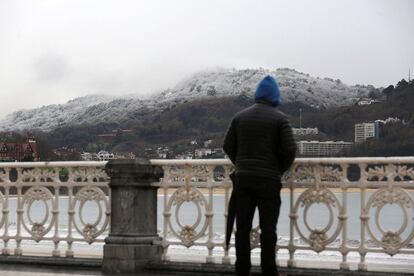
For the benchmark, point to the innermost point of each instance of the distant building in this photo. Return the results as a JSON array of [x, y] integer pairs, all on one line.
[[199, 153], [364, 131], [207, 143], [179, 156], [308, 148], [105, 156], [305, 131], [188, 155], [325, 148], [124, 155], [184, 156], [19, 151], [366, 101], [163, 152], [65, 153], [87, 156]]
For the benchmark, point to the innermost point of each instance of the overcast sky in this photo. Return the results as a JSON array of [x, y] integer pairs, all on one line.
[[54, 50]]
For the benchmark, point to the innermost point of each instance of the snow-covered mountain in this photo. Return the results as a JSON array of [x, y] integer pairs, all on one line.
[[295, 86], [93, 109]]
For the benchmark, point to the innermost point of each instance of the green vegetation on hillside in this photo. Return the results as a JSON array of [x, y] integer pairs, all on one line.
[[209, 118]]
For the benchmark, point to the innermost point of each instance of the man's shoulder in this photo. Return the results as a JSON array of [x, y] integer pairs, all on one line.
[[244, 111], [280, 114], [256, 109]]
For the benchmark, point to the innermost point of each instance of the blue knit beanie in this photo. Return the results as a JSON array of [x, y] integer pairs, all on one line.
[[268, 90]]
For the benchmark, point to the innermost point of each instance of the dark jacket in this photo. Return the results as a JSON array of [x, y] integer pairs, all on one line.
[[260, 141]]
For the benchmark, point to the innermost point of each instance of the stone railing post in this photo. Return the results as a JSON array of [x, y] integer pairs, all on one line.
[[133, 240]]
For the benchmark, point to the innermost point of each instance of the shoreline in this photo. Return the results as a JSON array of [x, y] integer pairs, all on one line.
[[284, 191], [310, 260]]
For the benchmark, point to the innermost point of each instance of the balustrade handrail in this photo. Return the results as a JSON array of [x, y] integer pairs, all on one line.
[[313, 160], [218, 161], [68, 164]]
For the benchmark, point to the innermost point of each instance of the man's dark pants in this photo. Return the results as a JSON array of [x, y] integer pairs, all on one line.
[[264, 193]]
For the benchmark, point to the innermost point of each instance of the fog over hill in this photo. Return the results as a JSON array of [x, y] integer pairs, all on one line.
[[94, 109]]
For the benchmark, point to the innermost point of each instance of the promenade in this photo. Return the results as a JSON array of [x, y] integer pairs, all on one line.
[[176, 269]]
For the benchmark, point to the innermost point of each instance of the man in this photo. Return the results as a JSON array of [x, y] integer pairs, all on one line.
[[260, 144]]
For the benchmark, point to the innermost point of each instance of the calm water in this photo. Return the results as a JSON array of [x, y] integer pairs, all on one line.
[[390, 219]]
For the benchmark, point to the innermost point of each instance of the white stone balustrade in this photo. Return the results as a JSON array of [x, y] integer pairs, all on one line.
[[380, 182], [328, 182], [49, 202]]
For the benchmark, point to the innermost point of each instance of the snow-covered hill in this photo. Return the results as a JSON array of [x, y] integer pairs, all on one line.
[[295, 86]]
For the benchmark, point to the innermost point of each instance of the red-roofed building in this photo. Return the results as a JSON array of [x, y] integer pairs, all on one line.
[[19, 151]]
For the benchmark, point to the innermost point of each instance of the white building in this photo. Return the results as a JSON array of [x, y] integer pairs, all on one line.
[[325, 148], [199, 153], [124, 155], [332, 148], [364, 131], [308, 148], [105, 156], [366, 101], [87, 156], [305, 131], [162, 152]]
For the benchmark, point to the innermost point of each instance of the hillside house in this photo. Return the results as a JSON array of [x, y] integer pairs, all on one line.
[[19, 151]]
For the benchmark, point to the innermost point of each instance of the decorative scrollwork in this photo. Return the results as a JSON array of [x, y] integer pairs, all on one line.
[[30, 175], [90, 194], [377, 173], [90, 231], [391, 241], [98, 175], [88, 174], [188, 234], [3, 175], [48, 174], [314, 195], [79, 174], [38, 228], [405, 171], [317, 238], [389, 196], [255, 237], [304, 173], [331, 173], [176, 173]]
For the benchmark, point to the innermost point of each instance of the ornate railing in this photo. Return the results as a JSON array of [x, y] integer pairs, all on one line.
[[45, 203], [52, 202], [377, 183]]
